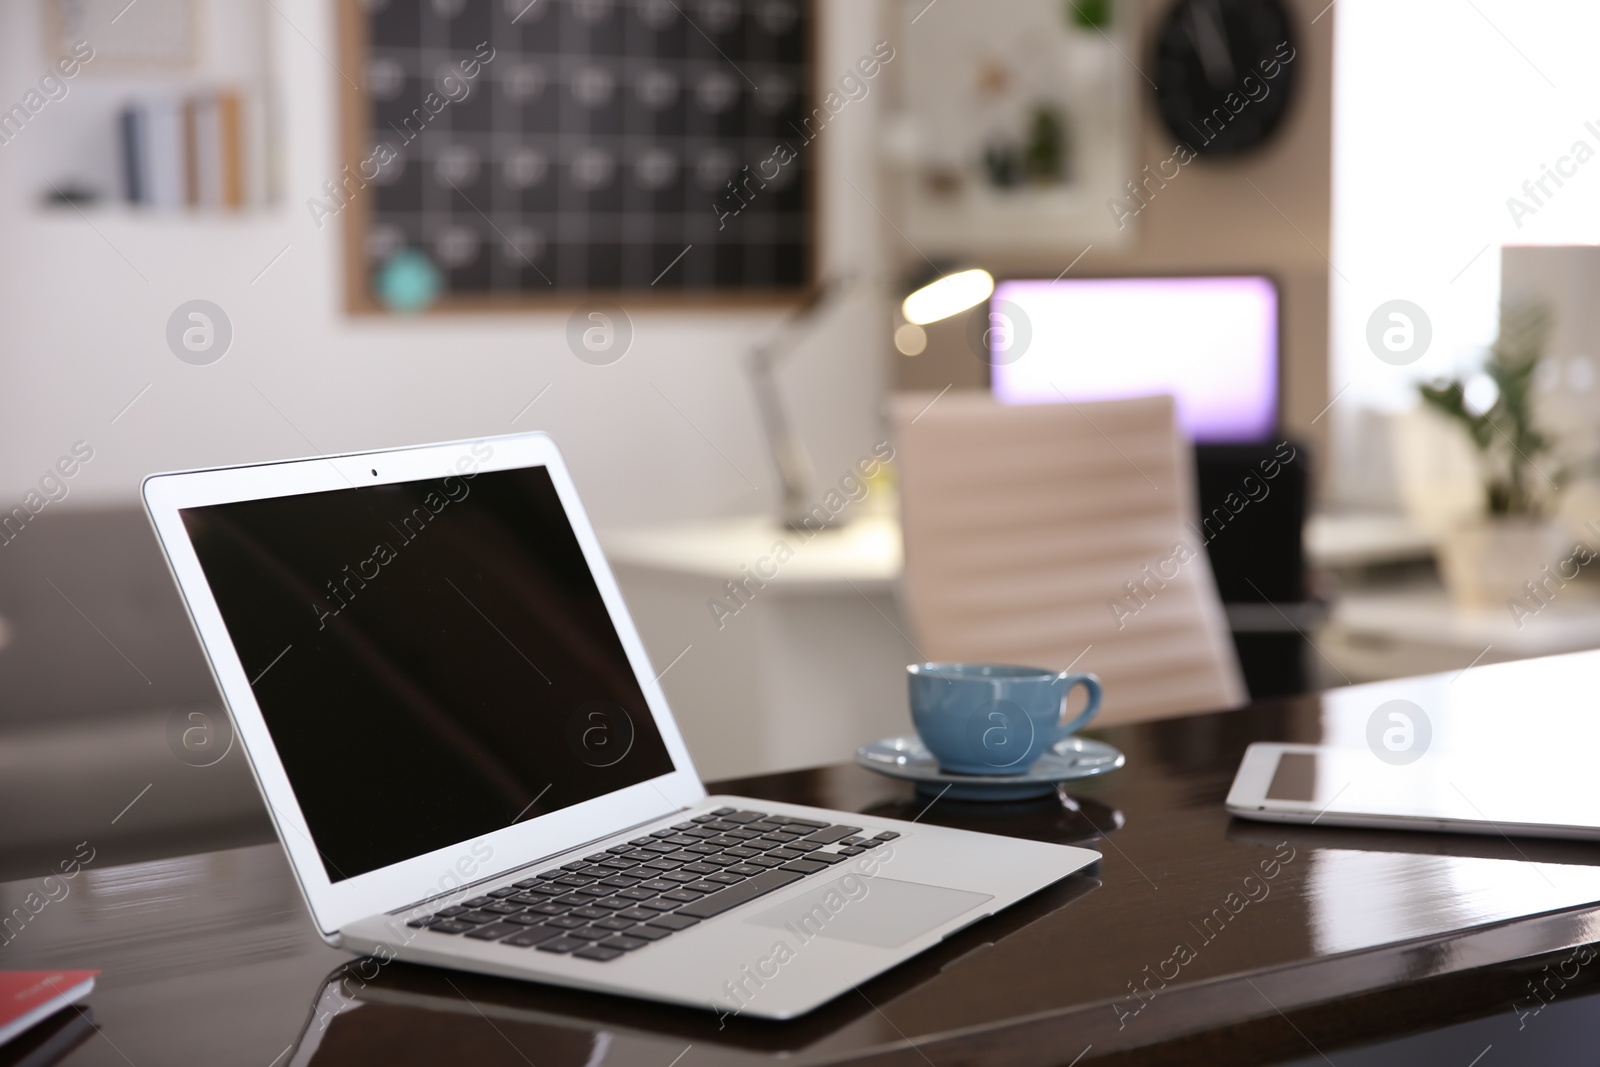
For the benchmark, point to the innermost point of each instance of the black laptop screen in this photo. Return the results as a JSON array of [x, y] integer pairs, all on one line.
[[432, 658]]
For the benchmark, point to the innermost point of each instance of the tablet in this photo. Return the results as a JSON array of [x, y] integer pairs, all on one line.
[[1508, 792]]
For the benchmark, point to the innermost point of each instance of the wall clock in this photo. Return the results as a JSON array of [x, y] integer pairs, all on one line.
[[1225, 73]]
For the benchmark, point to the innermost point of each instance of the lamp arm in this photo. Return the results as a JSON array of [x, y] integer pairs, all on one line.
[[795, 472]]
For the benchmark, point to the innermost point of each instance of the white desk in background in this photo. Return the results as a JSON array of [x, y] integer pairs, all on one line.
[[809, 666]]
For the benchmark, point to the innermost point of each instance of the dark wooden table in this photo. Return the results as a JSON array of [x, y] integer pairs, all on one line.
[[1198, 938]]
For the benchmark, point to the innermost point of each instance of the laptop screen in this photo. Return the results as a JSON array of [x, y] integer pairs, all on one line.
[[432, 659]]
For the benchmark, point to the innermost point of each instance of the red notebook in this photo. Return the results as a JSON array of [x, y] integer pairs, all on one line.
[[29, 997]]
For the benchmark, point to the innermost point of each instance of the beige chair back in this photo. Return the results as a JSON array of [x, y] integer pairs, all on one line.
[[1061, 534]]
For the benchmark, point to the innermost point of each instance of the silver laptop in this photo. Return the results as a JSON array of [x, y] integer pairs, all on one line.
[[470, 761]]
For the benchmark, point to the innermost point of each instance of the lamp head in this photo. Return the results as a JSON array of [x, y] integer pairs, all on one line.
[[946, 296]]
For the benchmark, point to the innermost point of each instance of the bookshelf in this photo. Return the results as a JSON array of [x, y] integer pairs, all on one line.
[[191, 82]]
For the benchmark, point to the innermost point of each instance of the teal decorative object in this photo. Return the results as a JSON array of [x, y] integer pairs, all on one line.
[[408, 281]]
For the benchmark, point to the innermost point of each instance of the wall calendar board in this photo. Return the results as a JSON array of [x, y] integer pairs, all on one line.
[[552, 148]]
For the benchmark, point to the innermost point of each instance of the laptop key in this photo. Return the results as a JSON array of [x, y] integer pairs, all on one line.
[[616, 923], [704, 848], [451, 926], [734, 895], [624, 943], [665, 863], [477, 918], [598, 952], [725, 811], [526, 883], [723, 841], [615, 850], [451, 912], [639, 893], [527, 900], [501, 909], [870, 843], [719, 825], [526, 920], [851, 850], [614, 904], [808, 823], [778, 837], [687, 824], [659, 904], [589, 933], [826, 857], [743, 816], [537, 935], [743, 835], [637, 914], [550, 909], [682, 896], [804, 866], [708, 886], [620, 881], [762, 861], [722, 861], [677, 876], [593, 891], [680, 839], [493, 932], [657, 885], [566, 922], [651, 932], [573, 900], [426, 920], [645, 840], [503, 892], [638, 855], [668, 922], [703, 819], [574, 879], [699, 834], [829, 835], [563, 944], [802, 846], [478, 902], [741, 853], [662, 833], [657, 848], [589, 913], [735, 874], [700, 868]]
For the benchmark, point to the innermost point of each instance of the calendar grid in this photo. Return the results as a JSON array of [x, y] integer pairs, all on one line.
[[595, 146]]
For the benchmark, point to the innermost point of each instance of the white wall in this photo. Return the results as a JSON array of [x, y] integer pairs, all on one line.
[[84, 303]]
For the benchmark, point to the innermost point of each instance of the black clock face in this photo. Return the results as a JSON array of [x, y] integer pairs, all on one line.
[[1225, 73]]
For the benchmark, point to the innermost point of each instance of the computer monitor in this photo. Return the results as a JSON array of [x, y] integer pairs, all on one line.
[[1212, 342]]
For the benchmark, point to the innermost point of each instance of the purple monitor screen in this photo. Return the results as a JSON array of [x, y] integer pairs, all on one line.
[[1210, 342]]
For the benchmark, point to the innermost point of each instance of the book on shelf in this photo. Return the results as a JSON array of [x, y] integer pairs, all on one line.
[[189, 152]]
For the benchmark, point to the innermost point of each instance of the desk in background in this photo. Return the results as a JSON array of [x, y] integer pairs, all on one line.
[[1359, 935], [812, 662]]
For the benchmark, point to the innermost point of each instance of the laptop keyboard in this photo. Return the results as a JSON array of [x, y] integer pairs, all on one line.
[[631, 895]]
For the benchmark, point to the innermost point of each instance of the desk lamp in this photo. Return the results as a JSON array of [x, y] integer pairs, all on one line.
[[946, 295]]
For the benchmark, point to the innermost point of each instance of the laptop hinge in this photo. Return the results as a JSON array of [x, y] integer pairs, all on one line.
[[466, 890]]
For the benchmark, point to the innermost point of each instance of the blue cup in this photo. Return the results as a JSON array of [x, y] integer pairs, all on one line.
[[986, 718]]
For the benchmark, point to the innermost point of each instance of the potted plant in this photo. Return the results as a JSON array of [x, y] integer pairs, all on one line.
[[1487, 561]]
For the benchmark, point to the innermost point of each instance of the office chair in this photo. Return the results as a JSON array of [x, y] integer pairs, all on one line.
[[1053, 535]]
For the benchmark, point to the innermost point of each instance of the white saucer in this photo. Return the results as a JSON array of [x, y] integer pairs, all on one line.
[[907, 758]]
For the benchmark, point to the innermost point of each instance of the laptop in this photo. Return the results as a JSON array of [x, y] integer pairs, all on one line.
[[470, 761]]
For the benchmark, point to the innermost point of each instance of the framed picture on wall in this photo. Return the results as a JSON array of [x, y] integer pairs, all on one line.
[[1019, 119]]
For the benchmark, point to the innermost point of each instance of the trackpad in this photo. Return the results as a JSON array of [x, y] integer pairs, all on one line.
[[870, 911]]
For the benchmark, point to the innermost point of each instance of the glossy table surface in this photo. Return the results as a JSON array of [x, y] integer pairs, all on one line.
[[1198, 938]]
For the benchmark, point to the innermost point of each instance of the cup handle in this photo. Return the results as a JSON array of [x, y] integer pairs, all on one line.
[[1064, 682]]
